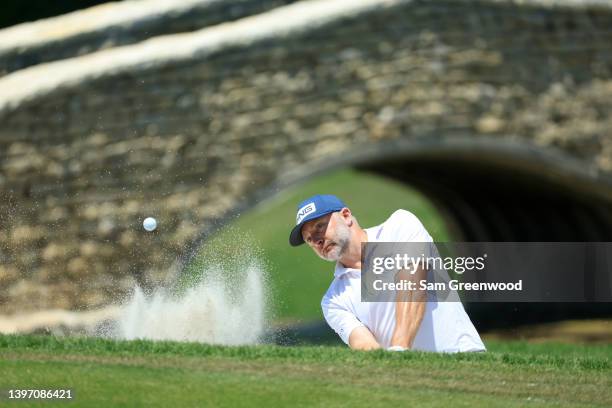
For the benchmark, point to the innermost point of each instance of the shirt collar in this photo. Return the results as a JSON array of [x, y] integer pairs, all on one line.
[[373, 234], [340, 270]]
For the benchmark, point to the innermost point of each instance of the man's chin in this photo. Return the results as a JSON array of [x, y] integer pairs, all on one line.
[[331, 256], [327, 258]]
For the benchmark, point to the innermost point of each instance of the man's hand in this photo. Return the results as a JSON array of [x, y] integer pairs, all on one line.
[[362, 339], [409, 309]]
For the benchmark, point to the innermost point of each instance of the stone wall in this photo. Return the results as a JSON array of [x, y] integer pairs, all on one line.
[[190, 129]]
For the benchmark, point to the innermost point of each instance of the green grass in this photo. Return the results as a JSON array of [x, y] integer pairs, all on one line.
[[144, 373], [296, 276]]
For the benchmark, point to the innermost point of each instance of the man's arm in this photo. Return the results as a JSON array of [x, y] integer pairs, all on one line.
[[362, 339], [409, 309], [347, 325]]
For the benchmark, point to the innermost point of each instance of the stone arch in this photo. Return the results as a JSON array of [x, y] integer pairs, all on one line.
[[540, 176], [190, 127]]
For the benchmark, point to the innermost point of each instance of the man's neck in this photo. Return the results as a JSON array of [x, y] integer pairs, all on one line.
[[352, 257]]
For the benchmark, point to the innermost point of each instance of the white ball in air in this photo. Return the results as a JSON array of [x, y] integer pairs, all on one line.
[[149, 224]]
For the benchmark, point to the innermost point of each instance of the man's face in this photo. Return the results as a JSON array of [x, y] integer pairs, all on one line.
[[328, 236]]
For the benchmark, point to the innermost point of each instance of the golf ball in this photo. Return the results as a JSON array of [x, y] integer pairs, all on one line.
[[149, 224]]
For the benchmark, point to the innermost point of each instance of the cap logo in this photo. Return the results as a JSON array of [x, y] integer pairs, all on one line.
[[304, 211]]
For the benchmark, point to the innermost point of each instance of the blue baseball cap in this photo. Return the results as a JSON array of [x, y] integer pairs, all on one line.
[[311, 208]]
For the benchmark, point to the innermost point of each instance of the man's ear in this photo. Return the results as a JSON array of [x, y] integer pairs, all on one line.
[[346, 214]]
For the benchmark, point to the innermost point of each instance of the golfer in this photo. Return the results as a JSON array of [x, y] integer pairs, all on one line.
[[327, 225]]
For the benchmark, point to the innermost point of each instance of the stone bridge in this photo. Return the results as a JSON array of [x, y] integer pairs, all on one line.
[[499, 110]]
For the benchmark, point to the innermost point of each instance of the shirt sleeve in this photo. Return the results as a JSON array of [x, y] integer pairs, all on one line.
[[408, 228], [341, 320]]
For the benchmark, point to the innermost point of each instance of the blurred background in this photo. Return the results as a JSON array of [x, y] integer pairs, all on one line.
[[490, 120]]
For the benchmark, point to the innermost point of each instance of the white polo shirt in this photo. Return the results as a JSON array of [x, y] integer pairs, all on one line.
[[445, 327]]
